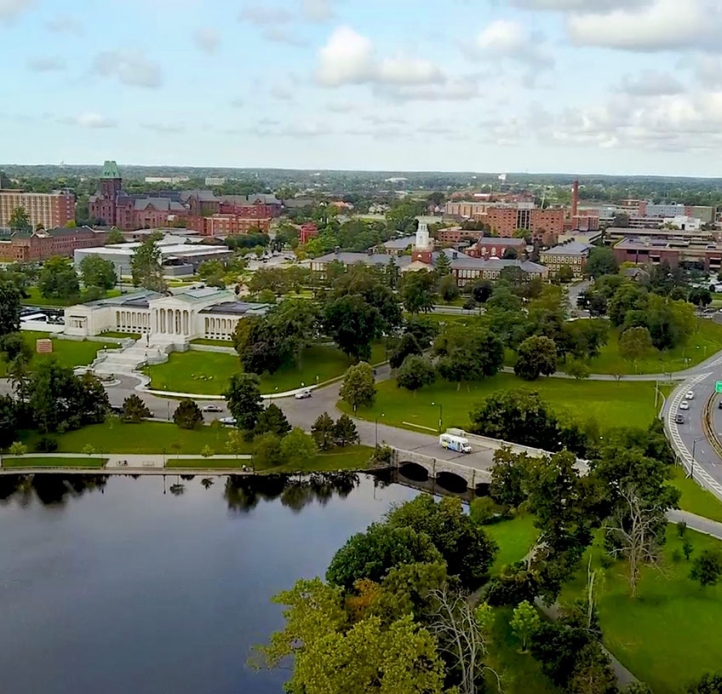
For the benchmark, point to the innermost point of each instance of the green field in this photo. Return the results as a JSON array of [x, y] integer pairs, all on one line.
[[29, 461], [610, 403], [36, 299], [670, 634], [207, 373], [515, 538], [205, 463], [703, 344], [213, 343], [67, 352], [695, 499], [147, 437], [122, 336]]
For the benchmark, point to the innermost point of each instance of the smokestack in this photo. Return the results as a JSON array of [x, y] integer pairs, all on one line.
[[575, 200]]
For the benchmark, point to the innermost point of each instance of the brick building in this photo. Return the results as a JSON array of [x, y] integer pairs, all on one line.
[[496, 247], [652, 251], [572, 254], [227, 225], [47, 243], [47, 209]]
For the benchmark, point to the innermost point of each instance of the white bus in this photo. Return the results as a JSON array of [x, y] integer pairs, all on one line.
[[455, 443]]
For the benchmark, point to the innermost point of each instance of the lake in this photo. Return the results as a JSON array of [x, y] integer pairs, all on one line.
[[139, 585]]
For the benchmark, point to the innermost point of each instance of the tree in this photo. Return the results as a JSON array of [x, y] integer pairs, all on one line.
[[707, 568], [331, 655], [14, 347], [510, 254], [9, 309], [408, 345], [415, 373], [701, 297], [601, 262], [468, 354], [482, 291], [97, 272], [58, 279], [372, 554], [353, 324], [146, 266], [525, 623], [578, 369], [267, 451], [207, 452], [323, 432], [298, 448], [417, 291], [634, 344], [20, 221], [536, 356], [244, 400], [8, 420], [235, 442], [18, 449], [508, 477], [424, 330], [359, 386], [442, 265], [134, 410], [710, 683], [448, 289], [188, 415], [345, 432], [565, 274], [115, 236], [274, 420]]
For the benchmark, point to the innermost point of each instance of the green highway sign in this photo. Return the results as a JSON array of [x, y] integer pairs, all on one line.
[[718, 387]]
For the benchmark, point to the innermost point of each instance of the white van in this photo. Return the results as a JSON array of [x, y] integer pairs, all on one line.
[[455, 443]]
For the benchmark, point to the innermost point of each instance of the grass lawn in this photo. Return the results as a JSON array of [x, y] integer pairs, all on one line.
[[207, 373], [205, 463], [610, 403], [36, 299], [29, 461], [213, 343], [122, 336], [670, 634], [148, 437], [695, 499], [703, 344], [519, 672], [515, 538], [66, 352]]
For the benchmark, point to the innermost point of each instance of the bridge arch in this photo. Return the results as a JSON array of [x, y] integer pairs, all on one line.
[[451, 481], [414, 471]]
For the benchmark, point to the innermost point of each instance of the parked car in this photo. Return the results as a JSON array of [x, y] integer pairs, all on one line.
[[228, 421], [303, 394], [690, 395], [679, 419], [213, 408], [719, 405], [684, 405]]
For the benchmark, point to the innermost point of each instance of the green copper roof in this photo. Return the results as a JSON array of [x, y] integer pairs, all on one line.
[[110, 170]]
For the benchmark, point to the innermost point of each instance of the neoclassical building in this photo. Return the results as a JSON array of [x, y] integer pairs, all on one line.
[[166, 319]]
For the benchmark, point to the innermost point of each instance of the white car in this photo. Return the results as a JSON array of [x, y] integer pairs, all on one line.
[[213, 408], [228, 421], [690, 395], [303, 394], [684, 405]]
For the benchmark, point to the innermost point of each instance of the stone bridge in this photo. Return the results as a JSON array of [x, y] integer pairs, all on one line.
[[437, 466]]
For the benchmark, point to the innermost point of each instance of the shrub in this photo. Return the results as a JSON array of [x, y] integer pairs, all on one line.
[[46, 444]]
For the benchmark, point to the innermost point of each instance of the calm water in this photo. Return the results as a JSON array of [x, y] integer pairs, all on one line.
[[122, 588]]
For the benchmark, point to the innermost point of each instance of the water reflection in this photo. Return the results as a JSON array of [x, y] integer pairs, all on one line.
[[49, 490]]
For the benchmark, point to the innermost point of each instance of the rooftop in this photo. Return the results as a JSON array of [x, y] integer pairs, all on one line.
[[237, 308], [569, 248], [110, 170]]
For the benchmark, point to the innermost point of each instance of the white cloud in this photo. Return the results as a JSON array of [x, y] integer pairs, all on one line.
[[130, 67], [207, 39], [651, 83], [281, 93], [341, 107], [264, 16], [511, 40], [660, 25], [453, 90], [238, 103], [317, 10], [164, 128], [281, 35], [92, 120], [65, 24], [706, 69], [349, 58], [597, 6], [12, 9], [45, 64]]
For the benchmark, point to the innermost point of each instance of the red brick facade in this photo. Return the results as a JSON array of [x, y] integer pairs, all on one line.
[[40, 246], [226, 225], [48, 209]]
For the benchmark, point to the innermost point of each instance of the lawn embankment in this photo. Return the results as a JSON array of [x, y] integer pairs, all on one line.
[[695, 499], [207, 373], [29, 462], [515, 538], [35, 298], [670, 634], [611, 404]]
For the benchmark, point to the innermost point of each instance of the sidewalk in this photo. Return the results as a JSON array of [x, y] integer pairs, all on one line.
[[695, 522]]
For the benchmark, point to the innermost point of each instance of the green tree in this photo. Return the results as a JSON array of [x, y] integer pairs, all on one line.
[[97, 272], [536, 356], [298, 447], [235, 442], [188, 415], [135, 410], [408, 345], [267, 451], [710, 683], [359, 386], [508, 478], [707, 568], [272, 419], [9, 309], [468, 354], [448, 289], [146, 266], [15, 348], [418, 291], [20, 221], [578, 369], [207, 452], [701, 297], [244, 400], [565, 274], [415, 373], [18, 448], [525, 623], [323, 432], [442, 265], [8, 420], [482, 291], [58, 279], [353, 324], [601, 262], [115, 236], [634, 344], [345, 432]]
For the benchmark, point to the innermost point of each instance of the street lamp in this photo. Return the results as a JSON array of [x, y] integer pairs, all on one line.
[[694, 448], [377, 428], [441, 415]]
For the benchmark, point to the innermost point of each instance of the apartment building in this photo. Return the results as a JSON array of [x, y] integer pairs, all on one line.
[[46, 209]]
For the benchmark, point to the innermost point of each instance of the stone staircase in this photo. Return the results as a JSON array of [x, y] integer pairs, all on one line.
[[131, 358]]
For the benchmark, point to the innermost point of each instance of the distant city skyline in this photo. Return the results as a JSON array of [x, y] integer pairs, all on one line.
[[539, 86]]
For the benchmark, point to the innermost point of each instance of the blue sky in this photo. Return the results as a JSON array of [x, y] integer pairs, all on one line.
[[609, 86]]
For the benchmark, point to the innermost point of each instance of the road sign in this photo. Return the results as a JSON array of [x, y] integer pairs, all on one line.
[[718, 387]]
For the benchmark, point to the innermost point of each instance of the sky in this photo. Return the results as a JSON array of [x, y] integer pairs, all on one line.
[[574, 86]]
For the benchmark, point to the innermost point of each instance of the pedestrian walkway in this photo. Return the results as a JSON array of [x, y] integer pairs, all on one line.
[[698, 523]]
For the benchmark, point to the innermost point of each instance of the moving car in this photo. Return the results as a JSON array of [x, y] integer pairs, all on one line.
[[690, 395], [678, 419], [684, 405], [303, 394], [228, 421], [455, 443], [213, 408]]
